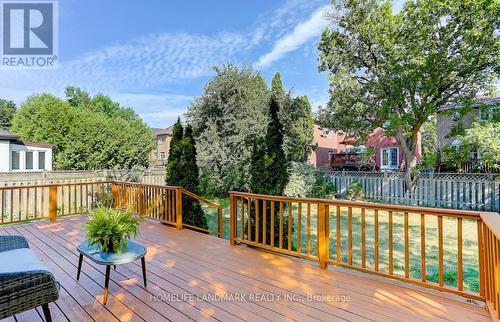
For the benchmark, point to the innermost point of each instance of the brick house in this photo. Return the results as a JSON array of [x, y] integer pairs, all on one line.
[[325, 143], [159, 155]]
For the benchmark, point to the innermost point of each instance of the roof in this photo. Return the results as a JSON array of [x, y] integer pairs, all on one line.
[[479, 100], [6, 135], [167, 131]]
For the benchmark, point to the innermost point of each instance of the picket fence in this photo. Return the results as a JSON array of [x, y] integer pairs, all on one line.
[[468, 191], [8, 179]]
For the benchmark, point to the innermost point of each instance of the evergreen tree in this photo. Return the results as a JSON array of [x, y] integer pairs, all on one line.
[[173, 176], [269, 173], [182, 171]]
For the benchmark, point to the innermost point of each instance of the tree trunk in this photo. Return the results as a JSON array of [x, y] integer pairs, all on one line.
[[409, 147]]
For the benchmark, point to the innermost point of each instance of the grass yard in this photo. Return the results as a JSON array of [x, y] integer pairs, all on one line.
[[469, 236]]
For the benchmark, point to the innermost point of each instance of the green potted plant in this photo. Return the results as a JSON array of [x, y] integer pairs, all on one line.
[[109, 229]]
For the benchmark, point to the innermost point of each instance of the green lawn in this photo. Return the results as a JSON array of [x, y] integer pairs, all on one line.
[[470, 251]]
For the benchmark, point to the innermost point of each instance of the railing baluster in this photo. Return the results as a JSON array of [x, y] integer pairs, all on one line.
[[249, 220], [264, 222], [337, 234], [459, 257], [391, 245], [375, 231], [242, 219], [363, 238], [257, 215], [480, 244], [290, 223], [440, 250], [407, 246], [272, 223], [309, 229], [349, 235], [280, 242], [299, 228], [423, 268]]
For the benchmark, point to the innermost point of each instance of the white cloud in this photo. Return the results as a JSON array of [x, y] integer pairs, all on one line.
[[302, 33]]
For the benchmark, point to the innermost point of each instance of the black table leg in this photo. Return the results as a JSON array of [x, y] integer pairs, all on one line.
[[106, 284], [80, 260], [143, 262]]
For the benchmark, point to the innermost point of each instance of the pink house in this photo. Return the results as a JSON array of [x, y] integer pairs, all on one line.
[[388, 153], [324, 144]]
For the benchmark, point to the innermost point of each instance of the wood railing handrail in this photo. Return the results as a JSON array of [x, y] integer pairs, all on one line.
[[200, 198], [256, 220], [365, 204]]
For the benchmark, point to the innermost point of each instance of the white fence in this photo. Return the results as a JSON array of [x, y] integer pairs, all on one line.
[[48, 177], [447, 190]]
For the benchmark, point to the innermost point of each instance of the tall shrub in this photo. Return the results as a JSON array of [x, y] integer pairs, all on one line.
[[182, 170]]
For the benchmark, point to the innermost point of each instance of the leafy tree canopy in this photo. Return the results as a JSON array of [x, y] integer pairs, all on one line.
[[7, 111], [396, 69], [85, 137]]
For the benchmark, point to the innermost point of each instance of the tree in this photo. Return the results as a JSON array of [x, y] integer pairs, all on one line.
[[230, 115], [298, 124], [173, 175], [84, 137], [182, 171], [269, 171], [7, 111], [396, 69], [483, 137], [430, 152]]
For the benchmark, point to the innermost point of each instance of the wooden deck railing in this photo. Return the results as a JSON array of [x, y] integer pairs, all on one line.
[[448, 250], [163, 203], [24, 203]]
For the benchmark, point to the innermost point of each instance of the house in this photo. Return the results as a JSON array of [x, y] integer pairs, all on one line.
[[159, 155], [448, 117], [20, 155], [325, 142], [388, 153]]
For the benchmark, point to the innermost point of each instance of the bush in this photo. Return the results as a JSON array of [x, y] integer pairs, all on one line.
[[306, 182], [355, 191], [302, 180]]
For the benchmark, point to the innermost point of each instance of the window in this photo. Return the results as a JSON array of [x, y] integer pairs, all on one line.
[[15, 160], [161, 139], [41, 160], [155, 155], [162, 155], [390, 158], [29, 160]]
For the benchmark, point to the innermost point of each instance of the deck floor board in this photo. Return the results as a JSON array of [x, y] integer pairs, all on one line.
[[196, 268]]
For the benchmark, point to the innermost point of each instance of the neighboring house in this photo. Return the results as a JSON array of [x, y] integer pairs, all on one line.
[[448, 116], [19, 155], [325, 142], [159, 155], [388, 153]]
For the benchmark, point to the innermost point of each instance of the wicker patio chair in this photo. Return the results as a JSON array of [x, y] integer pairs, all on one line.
[[24, 283]]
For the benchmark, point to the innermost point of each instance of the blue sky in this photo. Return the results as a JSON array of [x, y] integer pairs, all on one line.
[[156, 56]]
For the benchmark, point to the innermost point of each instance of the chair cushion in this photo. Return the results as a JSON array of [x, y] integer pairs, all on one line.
[[19, 260]]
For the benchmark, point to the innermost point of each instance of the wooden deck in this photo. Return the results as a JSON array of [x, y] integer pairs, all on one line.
[[196, 267]]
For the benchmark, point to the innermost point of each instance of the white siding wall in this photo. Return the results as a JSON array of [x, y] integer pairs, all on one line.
[[22, 157], [4, 156]]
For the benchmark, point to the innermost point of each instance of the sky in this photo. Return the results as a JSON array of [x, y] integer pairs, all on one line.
[[156, 56]]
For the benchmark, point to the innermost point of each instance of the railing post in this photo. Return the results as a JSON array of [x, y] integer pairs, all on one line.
[[52, 203], [178, 208], [141, 210], [323, 235], [219, 213], [232, 219]]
